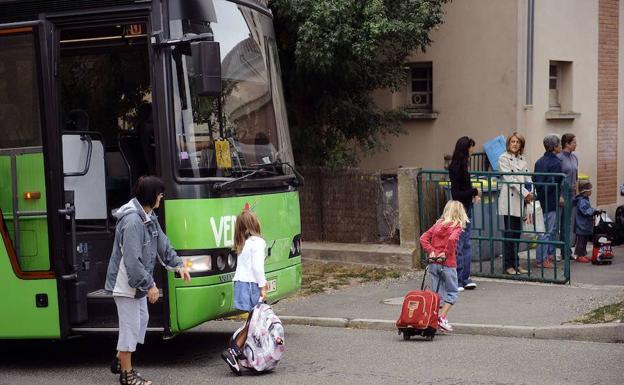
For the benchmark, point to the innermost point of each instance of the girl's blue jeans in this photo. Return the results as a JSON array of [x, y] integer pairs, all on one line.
[[447, 277]]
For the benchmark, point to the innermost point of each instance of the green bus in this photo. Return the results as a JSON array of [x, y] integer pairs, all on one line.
[[96, 93]]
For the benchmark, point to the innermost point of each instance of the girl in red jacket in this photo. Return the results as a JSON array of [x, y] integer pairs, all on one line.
[[440, 242]]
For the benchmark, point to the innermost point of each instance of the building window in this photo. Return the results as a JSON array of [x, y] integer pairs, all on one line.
[[554, 82], [421, 87], [560, 98]]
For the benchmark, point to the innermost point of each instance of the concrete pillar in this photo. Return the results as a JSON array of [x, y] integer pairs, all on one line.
[[409, 223]]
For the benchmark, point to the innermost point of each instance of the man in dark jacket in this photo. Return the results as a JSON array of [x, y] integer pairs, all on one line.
[[549, 197]]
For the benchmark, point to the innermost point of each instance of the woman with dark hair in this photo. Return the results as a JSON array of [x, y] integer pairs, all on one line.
[[462, 190], [138, 240]]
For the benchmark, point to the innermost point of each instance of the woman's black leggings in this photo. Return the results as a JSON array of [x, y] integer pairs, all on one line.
[[513, 229]]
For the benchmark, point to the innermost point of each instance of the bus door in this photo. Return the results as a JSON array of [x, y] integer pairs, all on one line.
[[29, 203], [108, 142]]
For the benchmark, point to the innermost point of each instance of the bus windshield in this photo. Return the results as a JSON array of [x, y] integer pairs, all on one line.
[[249, 117]]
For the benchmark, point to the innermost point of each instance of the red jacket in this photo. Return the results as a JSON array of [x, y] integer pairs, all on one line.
[[442, 238]]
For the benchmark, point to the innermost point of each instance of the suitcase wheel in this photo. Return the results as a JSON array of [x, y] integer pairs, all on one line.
[[430, 338], [406, 336]]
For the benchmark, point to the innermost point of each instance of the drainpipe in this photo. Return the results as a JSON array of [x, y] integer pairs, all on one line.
[[529, 55]]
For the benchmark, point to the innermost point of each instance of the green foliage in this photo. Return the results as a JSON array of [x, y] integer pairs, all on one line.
[[604, 314], [333, 54], [318, 277]]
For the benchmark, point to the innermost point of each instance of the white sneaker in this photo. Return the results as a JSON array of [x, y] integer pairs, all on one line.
[[444, 324], [460, 288], [470, 286]]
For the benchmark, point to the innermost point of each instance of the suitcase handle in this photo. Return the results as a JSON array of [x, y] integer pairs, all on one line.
[[422, 285]]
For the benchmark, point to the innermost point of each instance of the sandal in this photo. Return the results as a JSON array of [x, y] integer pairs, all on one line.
[[115, 367], [132, 378], [511, 271]]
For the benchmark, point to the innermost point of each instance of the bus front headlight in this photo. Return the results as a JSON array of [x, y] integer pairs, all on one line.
[[221, 262], [231, 261], [198, 263], [295, 246]]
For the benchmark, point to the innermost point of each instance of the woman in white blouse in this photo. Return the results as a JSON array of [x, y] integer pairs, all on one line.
[[513, 195]]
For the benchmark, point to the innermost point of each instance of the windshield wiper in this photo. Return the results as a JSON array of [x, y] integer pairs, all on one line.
[[262, 168], [300, 178], [278, 164], [223, 185]]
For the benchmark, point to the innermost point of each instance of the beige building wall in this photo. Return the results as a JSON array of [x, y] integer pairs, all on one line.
[[565, 30], [479, 81], [474, 59]]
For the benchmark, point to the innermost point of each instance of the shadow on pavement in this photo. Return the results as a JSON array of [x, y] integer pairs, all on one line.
[[98, 350]]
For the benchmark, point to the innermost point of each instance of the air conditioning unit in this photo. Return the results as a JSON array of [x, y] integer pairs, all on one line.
[[420, 99]]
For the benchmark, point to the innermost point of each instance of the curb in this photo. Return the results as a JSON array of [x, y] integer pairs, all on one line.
[[315, 321], [608, 333]]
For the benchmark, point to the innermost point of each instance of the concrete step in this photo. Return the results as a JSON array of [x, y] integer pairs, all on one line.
[[375, 254]]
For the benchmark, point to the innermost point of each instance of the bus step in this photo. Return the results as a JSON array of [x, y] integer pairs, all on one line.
[[107, 330], [102, 294]]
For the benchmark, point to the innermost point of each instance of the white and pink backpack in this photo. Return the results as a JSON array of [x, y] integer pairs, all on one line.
[[264, 346]]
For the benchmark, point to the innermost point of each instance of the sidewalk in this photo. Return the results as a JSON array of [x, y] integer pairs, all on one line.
[[496, 307]]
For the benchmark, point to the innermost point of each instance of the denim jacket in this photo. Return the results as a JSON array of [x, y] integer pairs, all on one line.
[[584, 216], [139, 240]]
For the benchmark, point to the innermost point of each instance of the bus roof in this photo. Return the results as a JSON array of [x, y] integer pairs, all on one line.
[[23, 10]]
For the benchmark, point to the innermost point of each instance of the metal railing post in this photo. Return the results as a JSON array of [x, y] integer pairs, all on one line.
[[15, 203], [488, 233]]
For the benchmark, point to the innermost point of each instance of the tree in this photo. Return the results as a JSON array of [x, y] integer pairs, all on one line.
[[333, 54]]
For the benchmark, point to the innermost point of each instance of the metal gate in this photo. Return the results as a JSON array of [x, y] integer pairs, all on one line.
[[489, 234]]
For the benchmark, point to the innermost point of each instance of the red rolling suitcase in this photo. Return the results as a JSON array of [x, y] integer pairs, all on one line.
[[419, 314]]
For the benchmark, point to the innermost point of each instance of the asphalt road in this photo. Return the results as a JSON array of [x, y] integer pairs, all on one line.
[[325, 356]]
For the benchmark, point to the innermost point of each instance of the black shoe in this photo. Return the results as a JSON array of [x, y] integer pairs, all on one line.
[[236, 350], [132, 378], [230, 358], [115, 366]]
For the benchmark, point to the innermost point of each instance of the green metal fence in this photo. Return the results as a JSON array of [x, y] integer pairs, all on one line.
[[488, 234], [479, 162]]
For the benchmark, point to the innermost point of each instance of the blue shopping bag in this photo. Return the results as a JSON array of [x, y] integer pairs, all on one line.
[[493, 149]]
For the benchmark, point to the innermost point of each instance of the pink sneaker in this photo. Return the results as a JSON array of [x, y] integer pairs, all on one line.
[[444, 324]]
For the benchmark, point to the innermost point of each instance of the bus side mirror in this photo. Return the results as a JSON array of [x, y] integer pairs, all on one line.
[[207, 63]]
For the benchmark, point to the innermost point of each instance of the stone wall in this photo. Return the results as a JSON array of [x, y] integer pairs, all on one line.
[[310, 198], [351, 206]]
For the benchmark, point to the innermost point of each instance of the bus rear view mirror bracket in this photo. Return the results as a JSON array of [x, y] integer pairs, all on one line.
[[206, 56], [207, 63]]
